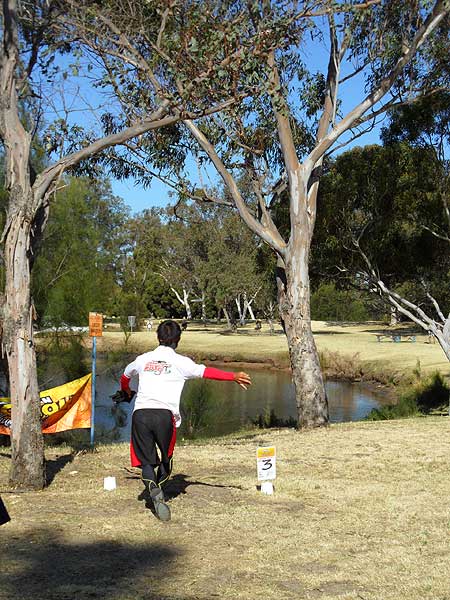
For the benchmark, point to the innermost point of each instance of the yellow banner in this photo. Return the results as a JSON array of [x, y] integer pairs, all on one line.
[[64, 407]]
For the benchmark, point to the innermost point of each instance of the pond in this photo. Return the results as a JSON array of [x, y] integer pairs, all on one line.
[[215, 408]]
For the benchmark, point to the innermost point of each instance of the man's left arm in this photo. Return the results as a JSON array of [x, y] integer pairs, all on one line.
[[241, 378]]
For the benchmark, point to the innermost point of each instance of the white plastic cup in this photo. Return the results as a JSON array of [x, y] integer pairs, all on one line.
[[109, 484], [267, 487]]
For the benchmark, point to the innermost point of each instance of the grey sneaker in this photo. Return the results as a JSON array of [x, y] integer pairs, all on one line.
[[161, 509]]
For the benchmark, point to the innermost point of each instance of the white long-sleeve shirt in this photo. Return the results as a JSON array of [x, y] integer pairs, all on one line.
[[162, 374]]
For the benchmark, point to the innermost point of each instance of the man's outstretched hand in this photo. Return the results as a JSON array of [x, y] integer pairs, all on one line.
[[242, 379]]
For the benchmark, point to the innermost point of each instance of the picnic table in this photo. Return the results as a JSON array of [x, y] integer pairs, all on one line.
[[396, 336]]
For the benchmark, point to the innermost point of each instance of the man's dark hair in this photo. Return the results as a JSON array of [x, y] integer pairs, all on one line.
[[169, 333]]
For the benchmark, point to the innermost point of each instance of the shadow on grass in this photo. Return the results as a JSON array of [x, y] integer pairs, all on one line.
[[351, 323], [40, 564], [53, 467], [176, 486], [178, 483]]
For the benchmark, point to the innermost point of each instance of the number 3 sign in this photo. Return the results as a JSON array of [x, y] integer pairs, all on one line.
[[266, 463]]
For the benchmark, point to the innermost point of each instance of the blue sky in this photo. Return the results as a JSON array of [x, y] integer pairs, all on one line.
[[139, 198]]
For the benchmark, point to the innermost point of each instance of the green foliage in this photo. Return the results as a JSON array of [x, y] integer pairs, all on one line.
[[61, 357], [78, 268], [384, 210], [205, 251], [331, 304], [432, 394], [198, 407], [406, 407], [422, 398], [143, 291], [269, 420]]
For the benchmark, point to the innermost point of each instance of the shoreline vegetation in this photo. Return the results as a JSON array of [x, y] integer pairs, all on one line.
[[348, 351], [403, 362], [412, 371]]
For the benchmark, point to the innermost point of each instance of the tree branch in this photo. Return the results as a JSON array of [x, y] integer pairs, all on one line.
[[272, 237], [439, 11]]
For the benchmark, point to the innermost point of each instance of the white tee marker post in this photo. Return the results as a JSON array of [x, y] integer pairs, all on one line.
[[266, 467]]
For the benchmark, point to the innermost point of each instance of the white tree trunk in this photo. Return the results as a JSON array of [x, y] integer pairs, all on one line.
[[240, 312], [250, 311], [394, 320], [27, 466], [312, 404], [186, 304], [203, 299], [184, 301], [227, 317], [27, 445]]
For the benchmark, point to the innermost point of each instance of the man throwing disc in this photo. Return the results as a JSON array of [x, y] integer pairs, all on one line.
[[156, 416]]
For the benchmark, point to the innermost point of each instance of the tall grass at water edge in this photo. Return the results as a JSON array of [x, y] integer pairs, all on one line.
[[428, 395]]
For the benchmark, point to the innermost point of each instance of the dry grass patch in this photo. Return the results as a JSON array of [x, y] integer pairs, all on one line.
[[360, 511]]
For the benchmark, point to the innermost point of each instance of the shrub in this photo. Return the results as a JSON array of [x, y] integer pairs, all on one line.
[[197, 408], [269, 420], [331, 304], [60, 358], [421, 398]]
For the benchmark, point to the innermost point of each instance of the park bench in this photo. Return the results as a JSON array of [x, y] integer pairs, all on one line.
[[395, 337]]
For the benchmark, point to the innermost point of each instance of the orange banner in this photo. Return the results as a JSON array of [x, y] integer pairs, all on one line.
[[64, 407]]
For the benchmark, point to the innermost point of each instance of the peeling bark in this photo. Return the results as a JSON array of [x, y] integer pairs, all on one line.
[[27, 445]]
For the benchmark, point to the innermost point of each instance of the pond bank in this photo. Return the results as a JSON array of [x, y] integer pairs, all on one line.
[[347, 350]]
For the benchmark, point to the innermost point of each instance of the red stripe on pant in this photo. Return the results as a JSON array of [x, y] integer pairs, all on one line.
[[135, 462], [173, 439]]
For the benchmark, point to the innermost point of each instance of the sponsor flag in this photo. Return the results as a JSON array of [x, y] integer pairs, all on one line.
[[64, 407]]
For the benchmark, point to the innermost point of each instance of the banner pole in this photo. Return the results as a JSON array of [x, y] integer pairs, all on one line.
[[94, 360]]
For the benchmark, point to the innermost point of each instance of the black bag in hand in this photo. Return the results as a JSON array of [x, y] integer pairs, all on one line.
[[122, 396]]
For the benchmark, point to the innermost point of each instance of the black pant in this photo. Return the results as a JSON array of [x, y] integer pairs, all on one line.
[[4, 517], [153, 437]]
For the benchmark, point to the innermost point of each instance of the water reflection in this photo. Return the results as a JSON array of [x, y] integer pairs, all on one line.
[[216, 408]]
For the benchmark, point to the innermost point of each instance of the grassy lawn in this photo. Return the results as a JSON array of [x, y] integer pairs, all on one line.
[[360, 511], [353, 342]]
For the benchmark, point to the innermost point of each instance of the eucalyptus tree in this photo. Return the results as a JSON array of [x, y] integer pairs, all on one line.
[[425, 126], [234, 279], [140, 288], [314, 75], [182, 263], [388, 47], [32, 32], [210, 255]]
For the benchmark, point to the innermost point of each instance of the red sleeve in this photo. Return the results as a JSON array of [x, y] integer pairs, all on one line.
[[125, 383], [212, 373]]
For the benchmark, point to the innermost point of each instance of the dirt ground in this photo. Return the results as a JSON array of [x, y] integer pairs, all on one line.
[[360, 512]]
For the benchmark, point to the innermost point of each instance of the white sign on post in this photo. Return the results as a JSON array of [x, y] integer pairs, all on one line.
[[266, 467]]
